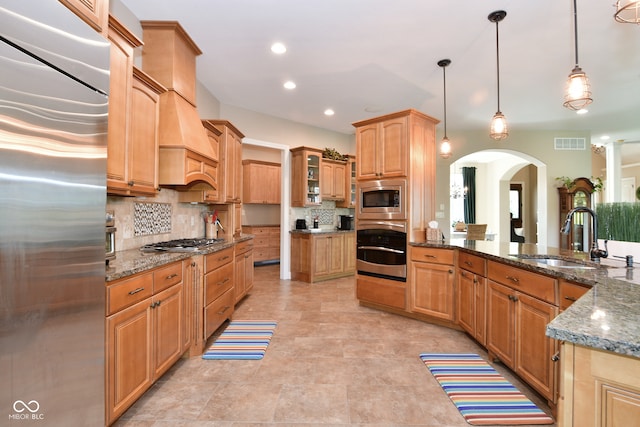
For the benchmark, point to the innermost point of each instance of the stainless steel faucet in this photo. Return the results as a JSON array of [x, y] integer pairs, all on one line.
[[595, 253]]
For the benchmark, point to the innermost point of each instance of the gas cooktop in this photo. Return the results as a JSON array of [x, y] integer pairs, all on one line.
[[180, 245]]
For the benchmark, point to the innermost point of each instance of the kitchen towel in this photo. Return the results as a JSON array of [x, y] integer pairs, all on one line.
[[242, 340], [481, 394]]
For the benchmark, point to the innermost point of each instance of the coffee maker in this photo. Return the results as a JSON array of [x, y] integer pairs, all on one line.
[[346, 222]]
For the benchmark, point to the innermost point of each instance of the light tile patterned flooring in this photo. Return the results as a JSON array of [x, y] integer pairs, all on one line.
[[331, 362]]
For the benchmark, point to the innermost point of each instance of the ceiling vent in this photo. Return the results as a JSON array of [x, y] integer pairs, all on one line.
[[573, 144]]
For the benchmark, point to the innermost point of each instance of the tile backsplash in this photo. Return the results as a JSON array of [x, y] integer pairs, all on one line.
[[140, 220]]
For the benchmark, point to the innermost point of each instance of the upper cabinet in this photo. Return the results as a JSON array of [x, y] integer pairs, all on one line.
[[93, 12], [305, 176], [261, 182], [350, 185], [231, 158], [382, 147], [132, 147], [332, 179]]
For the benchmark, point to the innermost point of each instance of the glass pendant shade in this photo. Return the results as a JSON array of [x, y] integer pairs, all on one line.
[[445, 148], [578, 93], [627, 12], [499, 129]]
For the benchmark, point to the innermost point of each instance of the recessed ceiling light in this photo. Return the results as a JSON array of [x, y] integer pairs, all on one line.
[[289, 85], [604, 137], [582, 111], [278, 48], [329, 112]]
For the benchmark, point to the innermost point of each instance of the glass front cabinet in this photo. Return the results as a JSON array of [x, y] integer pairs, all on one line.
[[305, 176]]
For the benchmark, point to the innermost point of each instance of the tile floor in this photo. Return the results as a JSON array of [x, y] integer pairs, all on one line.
[[331, 362]]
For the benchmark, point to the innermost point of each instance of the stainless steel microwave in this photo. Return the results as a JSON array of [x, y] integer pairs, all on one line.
[[382, 199]]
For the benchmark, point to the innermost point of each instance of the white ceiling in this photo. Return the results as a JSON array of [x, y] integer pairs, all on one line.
[[365, 58]]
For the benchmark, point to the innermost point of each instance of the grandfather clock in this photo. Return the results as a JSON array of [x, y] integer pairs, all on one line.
[[577, 193]]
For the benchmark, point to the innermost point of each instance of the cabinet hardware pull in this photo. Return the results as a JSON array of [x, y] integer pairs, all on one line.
[[469, 263], [555, 357], [224, 309], [131, 183], [475, 280], [135, 291], [223, 258], [450, 271], [513, 279], [570, 298], [223, 281], [193, 264], [171, 276]]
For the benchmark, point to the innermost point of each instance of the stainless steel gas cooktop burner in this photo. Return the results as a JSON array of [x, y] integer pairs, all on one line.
[[180, 245]]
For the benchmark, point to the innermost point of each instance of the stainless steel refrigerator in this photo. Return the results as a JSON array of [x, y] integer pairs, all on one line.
[[54, 79]]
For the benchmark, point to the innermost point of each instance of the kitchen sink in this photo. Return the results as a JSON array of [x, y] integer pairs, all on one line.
[[553, 261]]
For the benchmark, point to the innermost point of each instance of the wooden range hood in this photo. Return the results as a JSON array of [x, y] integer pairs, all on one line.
[[186, 157]]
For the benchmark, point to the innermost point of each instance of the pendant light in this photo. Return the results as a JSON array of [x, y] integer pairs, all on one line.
[[499, 128], [578, 92], [445, 145], [627, 12]]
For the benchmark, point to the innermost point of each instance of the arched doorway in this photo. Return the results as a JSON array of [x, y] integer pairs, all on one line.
[[496, 170]]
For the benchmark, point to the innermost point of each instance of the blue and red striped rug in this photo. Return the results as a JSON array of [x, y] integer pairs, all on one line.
[[242, 340], [481, 394]]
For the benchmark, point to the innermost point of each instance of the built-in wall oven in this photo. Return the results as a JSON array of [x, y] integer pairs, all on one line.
[[383, 199], [382, 249]]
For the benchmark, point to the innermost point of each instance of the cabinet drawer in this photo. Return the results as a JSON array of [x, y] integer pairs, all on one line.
[[261, 241], [434, 255], [217, 259], [217, 312], [128, 292], [243, 247], [472, 263], [166, 277], [274, 232], [217, 282], [536, 285], [570, 292]]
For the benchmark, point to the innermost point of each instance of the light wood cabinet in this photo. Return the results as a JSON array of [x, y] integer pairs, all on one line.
[[321, 256], [332, 179], [520, 304], [93, 12], [208, 167], [144, 323], [350, 185], [132, 147], [432, 275], [382, 148], [599, 388], [305, 176], [243, 269], [231, 160], [350, 252], [121, 84], [261, 182], [218, 289], [471, 295], [266, 242]]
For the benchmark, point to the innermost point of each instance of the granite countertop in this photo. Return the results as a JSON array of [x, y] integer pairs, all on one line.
[[607, 317], [134, 261]]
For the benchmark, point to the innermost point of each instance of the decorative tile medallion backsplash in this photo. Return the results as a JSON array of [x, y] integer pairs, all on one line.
[[151, 218]]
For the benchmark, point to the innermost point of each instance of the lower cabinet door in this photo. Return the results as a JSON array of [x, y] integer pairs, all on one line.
[[167, 328], [433, 288], [129, 371], [534, 349], [501, 323]]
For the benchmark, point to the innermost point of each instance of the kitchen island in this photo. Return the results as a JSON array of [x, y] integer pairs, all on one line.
[[597, 382], [322, 254]]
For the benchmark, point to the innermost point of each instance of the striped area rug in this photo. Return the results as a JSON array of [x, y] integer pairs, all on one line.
[[481, 394], [242, 340]]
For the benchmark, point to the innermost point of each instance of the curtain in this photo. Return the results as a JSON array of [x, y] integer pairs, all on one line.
[[469, 183]]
